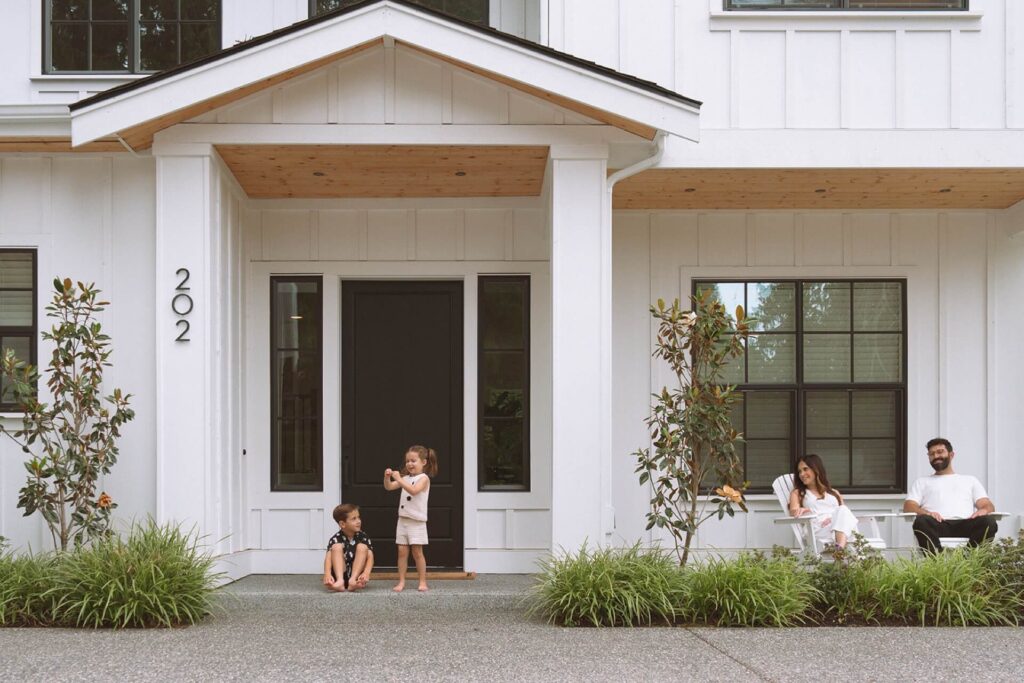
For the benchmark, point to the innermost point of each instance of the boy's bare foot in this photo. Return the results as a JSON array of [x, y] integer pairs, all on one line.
[[399, 588], [361, 582], [423, 588]]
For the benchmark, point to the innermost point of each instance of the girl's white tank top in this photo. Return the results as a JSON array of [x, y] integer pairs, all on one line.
[[414, 506]]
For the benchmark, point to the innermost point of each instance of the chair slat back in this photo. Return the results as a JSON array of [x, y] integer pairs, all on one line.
[[783, 487]]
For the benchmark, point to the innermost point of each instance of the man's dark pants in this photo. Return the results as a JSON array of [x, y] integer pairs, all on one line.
[[928, 530]]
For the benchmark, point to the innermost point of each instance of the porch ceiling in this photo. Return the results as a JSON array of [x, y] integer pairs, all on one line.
[[822, 188], [386, 171]]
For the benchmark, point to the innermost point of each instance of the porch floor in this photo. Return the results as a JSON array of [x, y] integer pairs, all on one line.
[[288, 628]]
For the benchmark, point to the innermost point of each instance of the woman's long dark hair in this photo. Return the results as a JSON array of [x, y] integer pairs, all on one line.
[[817, 466]]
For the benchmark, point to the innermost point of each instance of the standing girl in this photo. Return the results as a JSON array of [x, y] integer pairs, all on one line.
[[813, 495], [414, 480]]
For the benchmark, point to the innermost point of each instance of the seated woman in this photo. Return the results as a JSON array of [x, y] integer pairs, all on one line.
[[813, 495]]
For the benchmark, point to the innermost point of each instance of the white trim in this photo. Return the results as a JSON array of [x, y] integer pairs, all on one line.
[[968, 20]]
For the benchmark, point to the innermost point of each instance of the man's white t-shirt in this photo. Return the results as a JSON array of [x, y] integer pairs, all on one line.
[[951, 495]]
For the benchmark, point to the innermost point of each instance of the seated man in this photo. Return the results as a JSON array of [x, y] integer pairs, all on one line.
[[948, 504]]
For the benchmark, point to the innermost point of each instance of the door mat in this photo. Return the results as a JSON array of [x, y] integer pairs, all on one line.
[[431, 576]]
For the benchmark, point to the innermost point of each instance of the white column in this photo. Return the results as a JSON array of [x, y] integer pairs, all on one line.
[[185, 217], [581, 347]]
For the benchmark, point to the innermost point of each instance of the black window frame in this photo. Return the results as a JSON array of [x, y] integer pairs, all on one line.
[[315, 11], [482, 485], [134, 23], [30, 331], [842, 6], [799, 388], [276, 485]]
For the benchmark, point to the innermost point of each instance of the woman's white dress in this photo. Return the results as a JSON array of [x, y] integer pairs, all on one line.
[[832, 517]]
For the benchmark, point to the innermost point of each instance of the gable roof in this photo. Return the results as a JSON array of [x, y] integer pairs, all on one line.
[[136, 110]]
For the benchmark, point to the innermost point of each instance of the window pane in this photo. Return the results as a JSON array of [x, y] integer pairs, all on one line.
[[772, 359], [297, 309], [874, 462], [158, 45], [159, 10], [503, 303], [877, 306], [732, 372], [297, 378], [827, 358], [69, 9], [729, 294], [826, 306], [200, 9], [198, 40], [501, 446], [298, 448], [16, 308], [836, 456], [110, 47], [874, 413], [16, 270], [766, 460], [70, 47], [773, 304], [828, 414], [503, 383], [877, 357], [22, 347], [768, 414], [110, 9]]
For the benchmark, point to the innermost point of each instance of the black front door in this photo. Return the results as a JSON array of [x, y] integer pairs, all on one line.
[[401, 385]]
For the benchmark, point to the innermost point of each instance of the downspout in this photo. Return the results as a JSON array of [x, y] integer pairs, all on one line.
[[608, 509]]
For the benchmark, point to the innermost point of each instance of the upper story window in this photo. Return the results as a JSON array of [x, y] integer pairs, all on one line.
[[476, 11], [848, 4], [17, 312], [128, 36]]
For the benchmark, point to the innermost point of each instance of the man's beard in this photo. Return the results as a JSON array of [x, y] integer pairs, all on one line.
[[940, 464]]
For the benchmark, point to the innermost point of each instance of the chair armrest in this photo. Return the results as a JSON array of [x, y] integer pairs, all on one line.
[[1000, 515], [795, 520], [893, 515]]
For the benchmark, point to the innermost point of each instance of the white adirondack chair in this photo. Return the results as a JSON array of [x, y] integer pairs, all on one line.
[[957, 541], [803, 529]]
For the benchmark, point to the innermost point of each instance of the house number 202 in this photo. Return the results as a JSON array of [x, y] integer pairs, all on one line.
[[182, 304]]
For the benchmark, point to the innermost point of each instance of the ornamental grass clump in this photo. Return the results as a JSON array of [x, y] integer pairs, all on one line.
[[25, 589], [157, 576], [959, 587], [608, 587], [753, 589]]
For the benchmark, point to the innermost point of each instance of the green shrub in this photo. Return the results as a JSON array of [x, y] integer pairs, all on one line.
[[608, 587], [25, 583], [157, 576], [750, 590], [960, 587]]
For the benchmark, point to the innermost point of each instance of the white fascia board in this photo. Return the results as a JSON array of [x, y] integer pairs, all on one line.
[[390, 134], [259, 62], [724, 148], [545, 73], [224, 75], [35, 120]]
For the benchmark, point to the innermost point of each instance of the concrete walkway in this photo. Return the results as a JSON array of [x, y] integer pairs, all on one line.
[[287, 628]]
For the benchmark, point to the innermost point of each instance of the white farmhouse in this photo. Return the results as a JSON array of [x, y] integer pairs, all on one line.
[[333, 229]]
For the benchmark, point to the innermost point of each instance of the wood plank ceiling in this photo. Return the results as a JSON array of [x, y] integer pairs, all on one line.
[[864, 188], [386, 171]]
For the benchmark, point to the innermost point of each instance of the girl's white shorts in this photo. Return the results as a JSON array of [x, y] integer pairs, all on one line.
[[411, 532]]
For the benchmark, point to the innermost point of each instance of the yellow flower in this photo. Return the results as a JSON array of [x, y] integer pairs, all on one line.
[[729, 492], [104, 501]]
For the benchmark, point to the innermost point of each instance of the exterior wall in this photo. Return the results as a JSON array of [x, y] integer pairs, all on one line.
[[963, 379], [22, 80], [91, 219], [458, 239]]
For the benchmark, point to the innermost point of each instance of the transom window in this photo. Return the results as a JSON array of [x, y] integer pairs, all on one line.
[[848, 4], [475, 11], [823, 371], [17, 312], [128, 36]]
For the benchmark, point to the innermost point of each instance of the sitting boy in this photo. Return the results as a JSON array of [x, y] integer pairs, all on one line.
[[349, 558]]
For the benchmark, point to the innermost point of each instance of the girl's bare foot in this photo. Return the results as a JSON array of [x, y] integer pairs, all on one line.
[[338, 587], [399, 588], [423, 588]]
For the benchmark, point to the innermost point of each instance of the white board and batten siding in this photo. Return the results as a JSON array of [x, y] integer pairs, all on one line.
[[408, 239], [963, 317], [90, 219]]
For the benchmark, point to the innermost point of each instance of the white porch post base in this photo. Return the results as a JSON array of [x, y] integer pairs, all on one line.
[[581, 335]]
